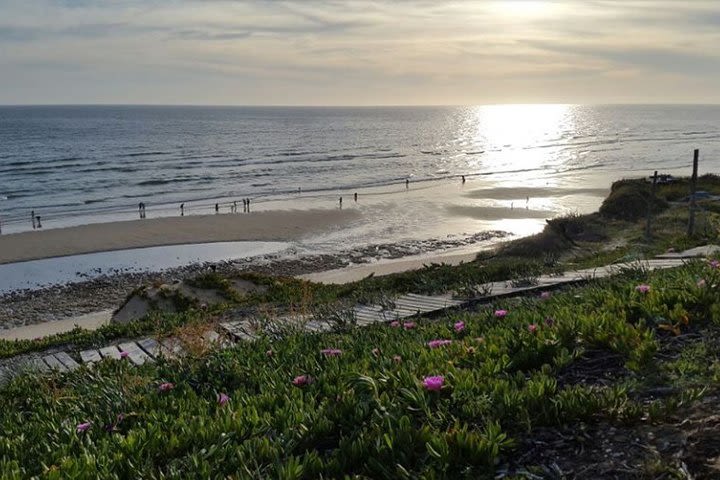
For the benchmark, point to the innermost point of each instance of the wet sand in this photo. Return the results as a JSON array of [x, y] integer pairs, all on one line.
[[285, 225]]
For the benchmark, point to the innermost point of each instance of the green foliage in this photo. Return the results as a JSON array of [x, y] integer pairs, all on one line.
[[628, 200], [365, 413]]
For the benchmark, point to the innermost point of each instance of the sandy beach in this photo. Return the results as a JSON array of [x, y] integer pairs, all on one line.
[[261, 226]]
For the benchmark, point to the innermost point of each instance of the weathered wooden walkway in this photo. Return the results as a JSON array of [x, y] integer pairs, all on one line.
[[147, 350]]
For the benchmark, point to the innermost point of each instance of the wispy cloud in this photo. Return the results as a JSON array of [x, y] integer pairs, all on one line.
[[355, 51]]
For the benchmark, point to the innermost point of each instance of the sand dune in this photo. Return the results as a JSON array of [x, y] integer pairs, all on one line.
[[99, 237]]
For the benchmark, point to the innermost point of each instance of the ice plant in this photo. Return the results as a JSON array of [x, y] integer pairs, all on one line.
[[124, 354], [222, 399], [500, 313], [715, 264], [642, 288], [166, 386], [459, 326], [395, 324], [434, 383], [302, 380], [545, 295], [701, 283], [331, 352], [409, 325], [83, 427], [269, 353], [532, 328], [438, 343]]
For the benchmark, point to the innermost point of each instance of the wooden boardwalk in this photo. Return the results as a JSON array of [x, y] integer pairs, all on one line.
[[147, 350]]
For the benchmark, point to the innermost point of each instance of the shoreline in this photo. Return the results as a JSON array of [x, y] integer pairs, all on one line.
[[59, 302], [273, 225]]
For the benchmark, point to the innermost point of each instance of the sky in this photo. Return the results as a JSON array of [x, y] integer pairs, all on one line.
[[358, 52]]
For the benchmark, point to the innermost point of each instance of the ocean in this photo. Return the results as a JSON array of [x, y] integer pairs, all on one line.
[[522, 163]]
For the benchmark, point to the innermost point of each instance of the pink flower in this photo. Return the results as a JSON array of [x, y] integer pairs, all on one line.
[[549, 321], [434, 383], [397, 358], [715, 264], [166, 387], [438, 343], [501, 313], [124, 354], [459, 326], [545, 295], [532, 328], [701, 283], [302, 380], [222, 399], [395, 324], [331, 352], [409, 325], [269, 353], [376, 352], [642, 288], [83, 427]]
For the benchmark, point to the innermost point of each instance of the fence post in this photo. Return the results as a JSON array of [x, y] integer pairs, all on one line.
[[651, 199], [693, 189]]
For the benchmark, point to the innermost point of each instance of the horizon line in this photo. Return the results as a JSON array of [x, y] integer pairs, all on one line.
[[428, 105]]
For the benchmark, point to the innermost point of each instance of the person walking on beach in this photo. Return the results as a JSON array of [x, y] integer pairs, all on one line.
[[182, 209], [340, 203], [39, 225], [141, 209], [463, 179], [217, 208], [248, 205], [32, 218], [235, 206], [407, 184], [355, 197]]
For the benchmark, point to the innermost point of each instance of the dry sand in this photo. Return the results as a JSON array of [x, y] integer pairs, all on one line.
[[100, 237]]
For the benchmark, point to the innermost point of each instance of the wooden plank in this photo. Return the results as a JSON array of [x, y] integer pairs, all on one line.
[[67, 360], [54, 364], [135, 353], [421, 304], [172, 347], [110, 352], [150, 346], [431, 300], [90, 356], [39, 365]]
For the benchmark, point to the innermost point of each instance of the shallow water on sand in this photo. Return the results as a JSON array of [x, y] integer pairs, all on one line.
[[50, 271]]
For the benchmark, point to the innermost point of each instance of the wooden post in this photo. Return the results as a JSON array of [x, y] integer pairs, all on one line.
[[651, 200], [693, 189]]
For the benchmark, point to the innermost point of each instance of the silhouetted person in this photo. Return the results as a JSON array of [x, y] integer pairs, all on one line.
[[182, 209], [217, 207], [407, 183], [248, 204], [235, 206], [340, 203], [463, 178], [355, 197], [39, 225], [141, 209], [32, 218]]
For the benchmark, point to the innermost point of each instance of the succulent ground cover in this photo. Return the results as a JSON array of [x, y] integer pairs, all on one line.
[[507, 389]]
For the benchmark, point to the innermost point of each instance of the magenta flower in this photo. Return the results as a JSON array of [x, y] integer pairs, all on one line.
[[545, 295], [715, 264], [434, 383], [409, 325], [549, 321], [532, 328], [701, 283], [83, 427], [331, 352], [395, 324], [302, 380], [438, 343], [166, 387], [501, 313], [642, 288], [124, 354], [459, 326], [222, 399]]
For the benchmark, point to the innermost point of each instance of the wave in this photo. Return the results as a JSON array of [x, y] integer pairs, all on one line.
[[143, 154]]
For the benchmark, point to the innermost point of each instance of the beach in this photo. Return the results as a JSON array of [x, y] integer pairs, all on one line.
[[261, 226]]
